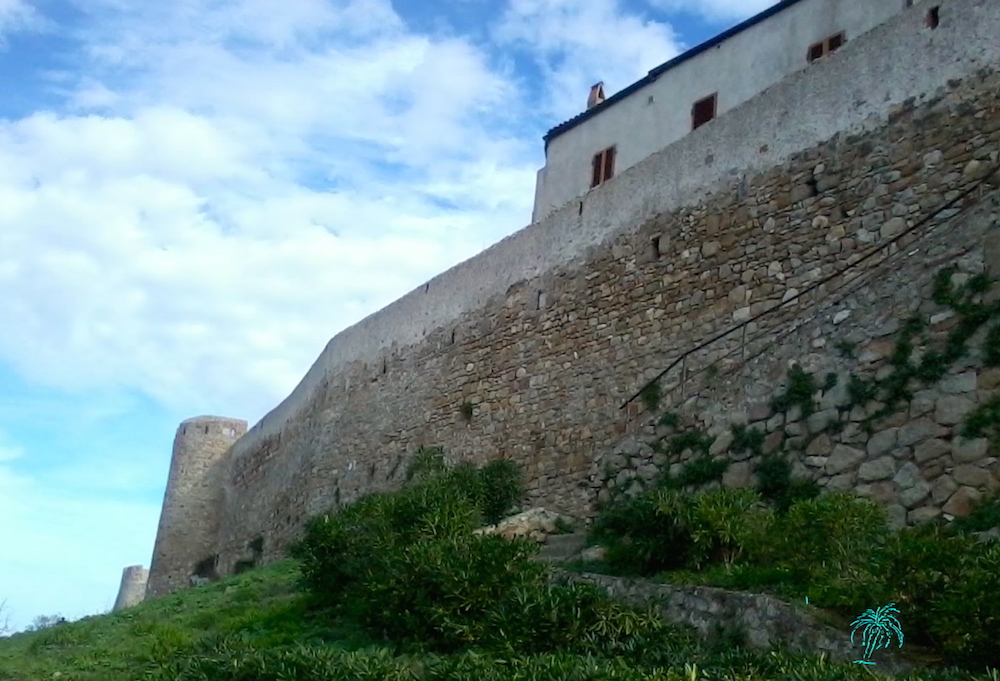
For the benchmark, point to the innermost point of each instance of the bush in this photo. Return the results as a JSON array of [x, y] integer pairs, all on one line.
[[966, 619], [640, 539], [444, 591], [723, 525], [339, 550], [502, 489], [776, 486], [829, 540]]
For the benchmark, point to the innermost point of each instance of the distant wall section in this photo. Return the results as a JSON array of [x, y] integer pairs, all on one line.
[[133, 587]]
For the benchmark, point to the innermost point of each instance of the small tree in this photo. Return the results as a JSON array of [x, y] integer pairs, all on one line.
[[4, 618], [46, 622]]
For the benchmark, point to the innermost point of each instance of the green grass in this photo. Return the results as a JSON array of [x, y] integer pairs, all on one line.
[[263, 606], [258, 627]]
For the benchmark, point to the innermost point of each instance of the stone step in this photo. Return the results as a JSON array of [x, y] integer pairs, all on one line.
[[562, 546]]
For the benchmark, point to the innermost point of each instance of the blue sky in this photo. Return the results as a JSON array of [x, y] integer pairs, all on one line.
[[196, 195]]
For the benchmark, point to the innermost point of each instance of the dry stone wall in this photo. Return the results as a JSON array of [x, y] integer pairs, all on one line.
[[765, 621], [898, 380], [541, 374]]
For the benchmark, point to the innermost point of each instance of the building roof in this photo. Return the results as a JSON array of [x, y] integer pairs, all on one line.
[[663, 68]]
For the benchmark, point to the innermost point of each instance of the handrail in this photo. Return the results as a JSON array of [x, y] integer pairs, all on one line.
[[812, 287]]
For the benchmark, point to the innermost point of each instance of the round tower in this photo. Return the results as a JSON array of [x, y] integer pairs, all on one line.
[[189, 521], [133, 588]]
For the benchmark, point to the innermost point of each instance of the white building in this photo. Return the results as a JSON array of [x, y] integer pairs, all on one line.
[[690, 90]]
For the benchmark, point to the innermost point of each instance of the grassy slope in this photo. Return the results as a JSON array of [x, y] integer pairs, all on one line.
[[263, 605]]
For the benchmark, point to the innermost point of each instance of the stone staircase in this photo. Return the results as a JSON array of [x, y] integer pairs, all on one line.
[[559, 548]]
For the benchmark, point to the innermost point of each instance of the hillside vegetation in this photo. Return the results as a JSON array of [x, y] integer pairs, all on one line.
[[397, 586]]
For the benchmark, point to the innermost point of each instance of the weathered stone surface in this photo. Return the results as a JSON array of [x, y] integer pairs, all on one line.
[[931, 449], [922, 514], [968, 474], [882, 442], [722, 443], [879, 469], [767, 621], [943, 488], [820, 445], [912, 496], [952, 410], [961, 502], [921, 429], [908, 475], [958, 384], [969, 450], [842, 459], [819, 421], [841, 483], [738, 475], [760, 411]]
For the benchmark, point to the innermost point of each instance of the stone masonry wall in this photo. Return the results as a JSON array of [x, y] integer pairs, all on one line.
[[653, 270], [915, 457], [544, 368], [765, 620]]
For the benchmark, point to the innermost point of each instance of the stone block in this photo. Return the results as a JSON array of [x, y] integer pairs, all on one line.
[[928, 450], [922, 514], [969, 450], [879, 469], [959, 384], [961, 502], [882, 442], [943, 488], [952, 410], [738, 475], [973, 476], [922, 429], [821, 420], [914, 495], [820, 445], [842, 459]]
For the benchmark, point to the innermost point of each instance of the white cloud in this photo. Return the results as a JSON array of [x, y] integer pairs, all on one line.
[[715, 10], [580, 43], [17, 15], [206, 221]]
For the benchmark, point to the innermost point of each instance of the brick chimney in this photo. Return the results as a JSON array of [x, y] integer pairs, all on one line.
[[596, 95]]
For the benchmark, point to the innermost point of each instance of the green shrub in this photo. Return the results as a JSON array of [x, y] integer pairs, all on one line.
[[723, 525], [338, 550], [966, 620], [426, 463], [828, 537], [776, 486], [918, 565], [639, 538], [444, 592], [502, 486], [699, 471]]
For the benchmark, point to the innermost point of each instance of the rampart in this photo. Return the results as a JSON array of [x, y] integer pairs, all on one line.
[[530, 349]]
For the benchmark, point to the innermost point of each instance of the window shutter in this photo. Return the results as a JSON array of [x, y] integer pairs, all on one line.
[[609, 164]]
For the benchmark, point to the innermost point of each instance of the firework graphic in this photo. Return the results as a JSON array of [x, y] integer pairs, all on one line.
[[878, 627]]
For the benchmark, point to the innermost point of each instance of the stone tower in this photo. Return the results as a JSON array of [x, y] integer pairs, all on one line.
[[189, 521], [133, 588]]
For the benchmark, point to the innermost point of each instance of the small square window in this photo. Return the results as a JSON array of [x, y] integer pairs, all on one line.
[[703, 111], [603, 168], [825, 47]]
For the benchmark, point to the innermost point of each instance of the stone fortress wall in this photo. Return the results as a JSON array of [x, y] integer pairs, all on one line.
[[531, 349]]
